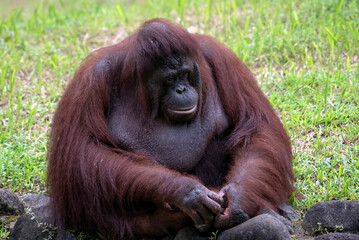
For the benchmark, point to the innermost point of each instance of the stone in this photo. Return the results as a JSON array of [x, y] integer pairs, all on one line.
[[33, 200], [289, 213], [189, 233], [38, 223], [280, 218], [264, 227], [338, 236], [10, 204], [27, 227], [39, 207], [340, 215], [65, 235]]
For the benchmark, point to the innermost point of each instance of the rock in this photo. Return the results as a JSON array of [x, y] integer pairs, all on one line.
[[38, 223], [33, 200], [39, 206], [65, 235], [10, 203], [27, 227], [289, 213], [189, 233], [280, 218], [338, 236], [203, 228], [332, 216], [265, 227]]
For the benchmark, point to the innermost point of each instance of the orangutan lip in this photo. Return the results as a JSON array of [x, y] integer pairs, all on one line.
[[183, 111]]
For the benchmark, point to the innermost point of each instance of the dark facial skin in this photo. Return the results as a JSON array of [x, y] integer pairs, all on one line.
[[175, 85]]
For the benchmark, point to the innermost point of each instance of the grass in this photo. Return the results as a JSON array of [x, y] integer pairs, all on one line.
[[304, 54]]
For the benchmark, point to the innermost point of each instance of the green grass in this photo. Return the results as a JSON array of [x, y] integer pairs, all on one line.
[[304, 54]]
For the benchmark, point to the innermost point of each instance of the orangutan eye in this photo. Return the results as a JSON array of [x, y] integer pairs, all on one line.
[[169, 79]]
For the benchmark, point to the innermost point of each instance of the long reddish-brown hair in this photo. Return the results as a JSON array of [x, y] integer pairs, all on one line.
[[93, 182]]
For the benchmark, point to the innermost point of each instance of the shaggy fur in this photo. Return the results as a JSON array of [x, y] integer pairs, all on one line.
[[96, 185]]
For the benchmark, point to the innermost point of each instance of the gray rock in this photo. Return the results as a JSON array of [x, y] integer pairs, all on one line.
[[189, 233], [27, 227], [65, 235], [33, 200], [289, 213], [264, 227], [280, 218], [39, 206], [331, 216], [38, 223], [10, 203], [338, 236]]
